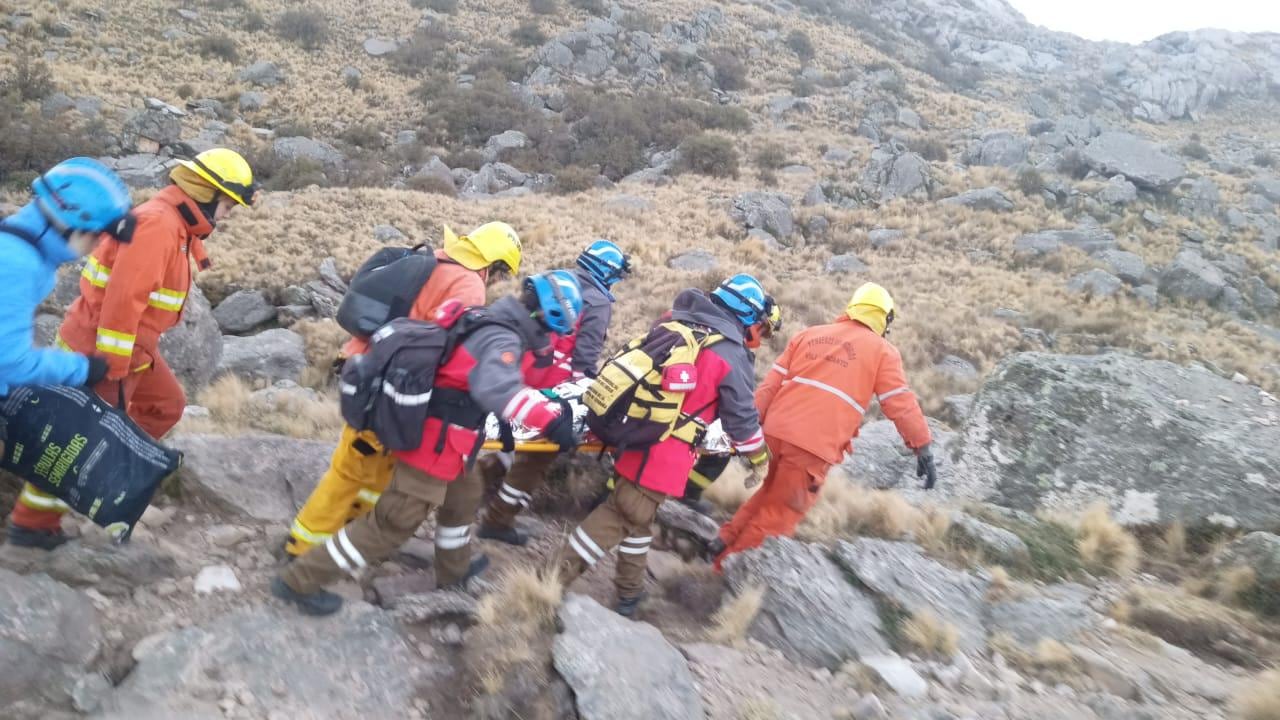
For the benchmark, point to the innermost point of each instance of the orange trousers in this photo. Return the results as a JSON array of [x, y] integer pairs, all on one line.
[[154, 399], [790, 488]]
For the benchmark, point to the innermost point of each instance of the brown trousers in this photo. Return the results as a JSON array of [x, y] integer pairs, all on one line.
[[528, 472], [624, 521], [405, 505]]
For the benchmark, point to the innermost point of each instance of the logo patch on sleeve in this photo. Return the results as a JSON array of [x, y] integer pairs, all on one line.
[[508, 358]]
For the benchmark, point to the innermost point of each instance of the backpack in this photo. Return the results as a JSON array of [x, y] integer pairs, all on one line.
[[636, 399], [384, 289], [390, 390]]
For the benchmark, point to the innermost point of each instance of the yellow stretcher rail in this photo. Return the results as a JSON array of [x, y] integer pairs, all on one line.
[[543, 446]]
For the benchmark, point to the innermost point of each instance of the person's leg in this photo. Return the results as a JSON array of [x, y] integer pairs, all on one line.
[[156, 399], [795, 479], [638, 507], [453, 529], [705, 472], [359, 472], [371, 538], [603, 529], [528, 472]]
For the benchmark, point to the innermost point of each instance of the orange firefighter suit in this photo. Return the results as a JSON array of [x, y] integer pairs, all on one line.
[[361, 470], [811, 405]]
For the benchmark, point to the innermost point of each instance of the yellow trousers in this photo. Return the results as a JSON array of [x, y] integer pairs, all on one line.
[[358, 474]]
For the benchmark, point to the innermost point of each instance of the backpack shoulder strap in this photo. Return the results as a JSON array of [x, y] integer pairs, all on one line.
[[32, 239]]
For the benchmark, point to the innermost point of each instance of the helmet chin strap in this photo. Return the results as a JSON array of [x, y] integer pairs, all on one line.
[[54, 223]]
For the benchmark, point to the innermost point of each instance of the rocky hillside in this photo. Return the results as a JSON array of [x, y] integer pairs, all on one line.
[[1083, 239]]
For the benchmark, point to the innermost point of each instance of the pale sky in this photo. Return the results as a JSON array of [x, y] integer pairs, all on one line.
[[1136, 21]]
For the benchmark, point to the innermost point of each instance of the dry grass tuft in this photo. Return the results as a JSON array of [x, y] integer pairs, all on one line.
[[1173, 544], [1001, 584], [1053, 656], [1235, 582], [1200, 625], [845, 509], [930, 635], [729, 491], [1105, 547], [732, 621], [234, 409], [759, 709], [1259, 698], [524, 598], [507, 654]]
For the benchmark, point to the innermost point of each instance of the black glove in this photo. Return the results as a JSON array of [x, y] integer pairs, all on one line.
[[97, 370], [925, 467], [560, 431]]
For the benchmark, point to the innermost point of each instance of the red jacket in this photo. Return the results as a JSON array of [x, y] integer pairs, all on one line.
[[816, 393], [130, 294], [725, 382]]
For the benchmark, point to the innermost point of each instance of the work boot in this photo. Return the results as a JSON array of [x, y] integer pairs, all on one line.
[[626, 607], [39, 539], [698, 505], [479, 564], [508, 535], [318, 603], [715, 549]]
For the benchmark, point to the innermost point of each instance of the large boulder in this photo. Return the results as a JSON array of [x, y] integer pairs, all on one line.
[[810, 612], [49, 636], [1044, 242], [1139, 160], [193, 348], [1192, 277], [1197, 448], [896, 172], [767, 211], [880, 460], [276, 354], [1057, 612], [141, 170], [263, 74], [494, 178], [147, 131], [620, 669], [358, 664], [1129, 267], [1260, 552], [243, 311], [501, 145], [991, 199], [1001, 148], [1095, 283], [900, 573], [266, 477], [293, 149]]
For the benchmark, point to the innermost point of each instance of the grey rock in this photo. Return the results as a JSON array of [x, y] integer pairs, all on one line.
[[150, 130], [768, 241], [361, 666], [291, 149], [46, 329], [1001, 148], [141, 170], [330, 276], [1118, 191], [1058, 612], [680, 518], [1267, 187], [1139, 160], [65, 290], [1090, 240], [283, 395], [501, 145], [884, 237], [1127, 266], [620, 669], [895, 172], [263, 74], [647, 176], [1202, 198], [901, 574], [1153, 218], [628, 204], [251, 101], [817, 227], [493, 178], [435, 168], [694, 261], [266, 477], [867, 128], [996, 544], [1192, 277], [113, 570], [766, 211], [782, 106], [814, 196], [1258, 551], [378, 46], [838, 156], [294, 295], [910, 118], [56, 104], [386, 234], [49, 636], [324, 298], [991, 199], [810, 611], [845, 264], [1148, 294], [1181, 459], [881, 461], [244, 311], [898, 675], [277, 354], [956, 367], [1096, 283], [957, 408], [1261, 295], [351, 75], [193, 348]]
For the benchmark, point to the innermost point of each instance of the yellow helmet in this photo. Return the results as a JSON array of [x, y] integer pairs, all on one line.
[[495, 242], [872, 306], [227, 171], [873, 295], [775, 318]]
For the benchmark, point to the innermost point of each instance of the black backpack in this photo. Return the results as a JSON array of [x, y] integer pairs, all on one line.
[[384, 289], [390, 390]]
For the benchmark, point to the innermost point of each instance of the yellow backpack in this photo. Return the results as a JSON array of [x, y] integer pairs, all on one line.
[[635, 401]]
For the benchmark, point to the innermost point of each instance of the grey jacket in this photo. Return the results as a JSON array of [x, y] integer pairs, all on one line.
[[495, 379], [737, 405], [593, 329]]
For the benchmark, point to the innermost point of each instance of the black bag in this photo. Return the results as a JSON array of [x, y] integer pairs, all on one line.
[[384, 288], [389, 389], [71, 444]]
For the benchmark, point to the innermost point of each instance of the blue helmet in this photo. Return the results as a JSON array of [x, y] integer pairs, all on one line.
[[82, 194], [743, 296], [559, 298], [605, 262]]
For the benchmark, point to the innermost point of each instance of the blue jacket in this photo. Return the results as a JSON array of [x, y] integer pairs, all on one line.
[[27, 276]]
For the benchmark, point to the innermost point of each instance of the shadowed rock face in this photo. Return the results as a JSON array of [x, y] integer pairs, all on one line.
[[1158, 442]]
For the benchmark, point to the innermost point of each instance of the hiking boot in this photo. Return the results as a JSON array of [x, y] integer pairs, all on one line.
[[626, 607], [715, 549], [508, 535], [698, 505], [318, 603], [38, 539], [479, 564]]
